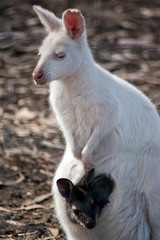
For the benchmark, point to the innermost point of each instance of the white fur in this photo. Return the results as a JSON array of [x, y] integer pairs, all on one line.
[[109, 123]]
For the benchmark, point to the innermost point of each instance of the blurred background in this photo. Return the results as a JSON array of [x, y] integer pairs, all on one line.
[[125, 39]]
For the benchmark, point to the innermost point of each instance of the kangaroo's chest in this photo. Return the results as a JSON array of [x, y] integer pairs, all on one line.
[[75, 112]]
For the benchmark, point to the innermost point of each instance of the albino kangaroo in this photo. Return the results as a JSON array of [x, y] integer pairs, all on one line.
[[106, 123], [86, 199]]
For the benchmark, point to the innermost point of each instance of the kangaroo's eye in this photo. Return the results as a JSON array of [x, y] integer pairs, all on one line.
[[59, 56], [39, 54]]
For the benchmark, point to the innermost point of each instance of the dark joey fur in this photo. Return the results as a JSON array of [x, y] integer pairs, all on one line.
[[85, 200]]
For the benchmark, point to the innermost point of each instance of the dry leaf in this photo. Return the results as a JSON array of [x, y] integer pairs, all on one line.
[[34, 206], [38, 199], [10, 238], [12, 222], [11, 183], [27, 208], [25, 114], [4, 209], [54, 231]]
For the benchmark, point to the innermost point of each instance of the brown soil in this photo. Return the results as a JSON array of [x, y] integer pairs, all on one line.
[[125, 39]]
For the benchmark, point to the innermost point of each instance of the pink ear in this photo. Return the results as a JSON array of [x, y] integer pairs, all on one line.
[[74, 23]]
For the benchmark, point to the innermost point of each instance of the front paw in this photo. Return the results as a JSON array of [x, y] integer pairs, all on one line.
[[77, 152], [75, 148]]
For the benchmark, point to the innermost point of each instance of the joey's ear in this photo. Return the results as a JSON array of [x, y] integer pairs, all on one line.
[[48, 19], [101, 188], [65, 187], [74, 23]]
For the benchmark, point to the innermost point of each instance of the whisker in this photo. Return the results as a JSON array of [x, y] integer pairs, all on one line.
[[53, 74]]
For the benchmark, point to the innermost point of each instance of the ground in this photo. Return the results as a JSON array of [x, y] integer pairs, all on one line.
[[124, 37]]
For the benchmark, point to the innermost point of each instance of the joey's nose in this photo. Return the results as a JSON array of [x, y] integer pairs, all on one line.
[[38, 77]]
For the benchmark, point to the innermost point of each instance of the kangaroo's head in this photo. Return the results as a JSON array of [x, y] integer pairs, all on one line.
[[61, 53], [85, 200]]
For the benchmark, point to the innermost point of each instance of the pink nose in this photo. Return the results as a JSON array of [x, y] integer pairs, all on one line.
[[38, 77]]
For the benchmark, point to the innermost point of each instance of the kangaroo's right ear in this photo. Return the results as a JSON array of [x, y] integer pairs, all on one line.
[[65, 187], [48, 19], [74, 23]]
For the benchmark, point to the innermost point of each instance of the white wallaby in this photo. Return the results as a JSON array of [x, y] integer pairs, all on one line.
[[106, 123]]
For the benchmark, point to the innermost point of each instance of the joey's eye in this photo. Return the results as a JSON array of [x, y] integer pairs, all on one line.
[[92, 201], [39, 54], [76, 211], [59, 56]]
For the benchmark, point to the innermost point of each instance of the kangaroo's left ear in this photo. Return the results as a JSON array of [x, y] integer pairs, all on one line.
[[74, 23], [65, 187]]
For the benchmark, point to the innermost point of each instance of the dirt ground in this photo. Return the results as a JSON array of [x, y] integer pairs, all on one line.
[[125, 39]]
